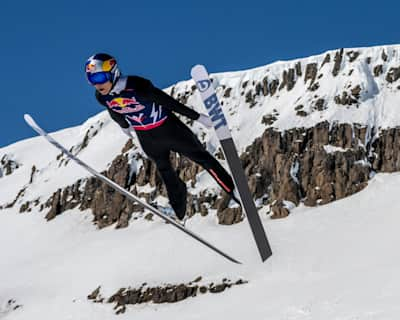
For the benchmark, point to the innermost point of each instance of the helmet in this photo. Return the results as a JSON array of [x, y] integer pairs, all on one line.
[[101, 68]]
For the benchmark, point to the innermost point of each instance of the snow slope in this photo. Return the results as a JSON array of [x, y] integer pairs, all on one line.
[[336, 261]]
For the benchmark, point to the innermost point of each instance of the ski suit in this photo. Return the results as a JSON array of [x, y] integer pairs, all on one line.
[[134, 102]]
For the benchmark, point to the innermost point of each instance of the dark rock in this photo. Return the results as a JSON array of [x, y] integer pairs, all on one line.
[[230, 216], [384, 56], [387, 151], [273, 86], [268, 119], [241, 281], [314, 87], [320, 104], [24, 207], [33, 171], [349, 99], [162, 294], [218, 288], [353, 55], [128, 146], [7, 165], [85, 141], [301, 113], [338, 62], [311, 72], [288, 79], [203, 289], [327, 59], [222, 202], [94, 294], [378, 70], [219, 154], [393, 75], [56, 208], [275, 156], [250, 98], [183, 97], [279, 210], [265, 87], [172, 93], [355, 92], [10, 305], [258, 89], [227, 92], [298, 69]]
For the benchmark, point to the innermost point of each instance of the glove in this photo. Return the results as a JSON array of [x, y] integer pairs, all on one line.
[[205, 121], [128, 132]]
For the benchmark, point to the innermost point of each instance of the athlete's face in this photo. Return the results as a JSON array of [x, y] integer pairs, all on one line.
[[104, 88]]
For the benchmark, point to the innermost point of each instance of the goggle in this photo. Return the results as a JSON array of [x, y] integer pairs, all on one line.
[[98, 77]]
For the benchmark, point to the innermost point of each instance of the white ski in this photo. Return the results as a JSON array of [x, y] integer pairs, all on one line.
[[29, 120], [210, 100]]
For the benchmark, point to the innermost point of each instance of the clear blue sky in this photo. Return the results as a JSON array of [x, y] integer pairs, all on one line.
[[44, 45]]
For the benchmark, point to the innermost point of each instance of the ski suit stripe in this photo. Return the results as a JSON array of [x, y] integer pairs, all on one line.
[[221, 183], [150, 126]]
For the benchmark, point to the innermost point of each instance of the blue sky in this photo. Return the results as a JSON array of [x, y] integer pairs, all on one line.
[[44, 45]]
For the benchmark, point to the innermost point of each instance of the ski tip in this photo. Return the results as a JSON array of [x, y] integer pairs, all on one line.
[[29, 120], [32, 123], [198, 68]]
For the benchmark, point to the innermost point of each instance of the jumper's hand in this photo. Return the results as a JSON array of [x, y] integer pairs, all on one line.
[[205, 121]]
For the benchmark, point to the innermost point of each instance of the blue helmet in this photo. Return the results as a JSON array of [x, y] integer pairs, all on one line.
[[101, 68]]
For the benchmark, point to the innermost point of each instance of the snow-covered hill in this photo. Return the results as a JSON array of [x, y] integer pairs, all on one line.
[[280, 89], [336, 261]]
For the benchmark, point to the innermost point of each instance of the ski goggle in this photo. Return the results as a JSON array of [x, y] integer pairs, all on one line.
[[98, 77]]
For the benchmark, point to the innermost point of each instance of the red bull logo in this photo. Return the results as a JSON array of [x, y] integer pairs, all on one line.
[[121, 102], [122, 105], [108, 65], [90, 67], [139, 118]]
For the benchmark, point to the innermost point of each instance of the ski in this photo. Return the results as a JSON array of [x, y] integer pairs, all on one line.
[[210, 100], [29, 120]]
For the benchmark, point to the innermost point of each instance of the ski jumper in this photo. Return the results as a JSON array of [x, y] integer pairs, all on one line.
[[134, 102]]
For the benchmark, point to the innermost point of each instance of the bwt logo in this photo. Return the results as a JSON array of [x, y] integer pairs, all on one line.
[[203, 85], [215, 111]]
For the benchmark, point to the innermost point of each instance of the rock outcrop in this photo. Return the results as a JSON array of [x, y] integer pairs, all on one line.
[[315, 165], [311, 165], [7, 165], [168, 293]]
